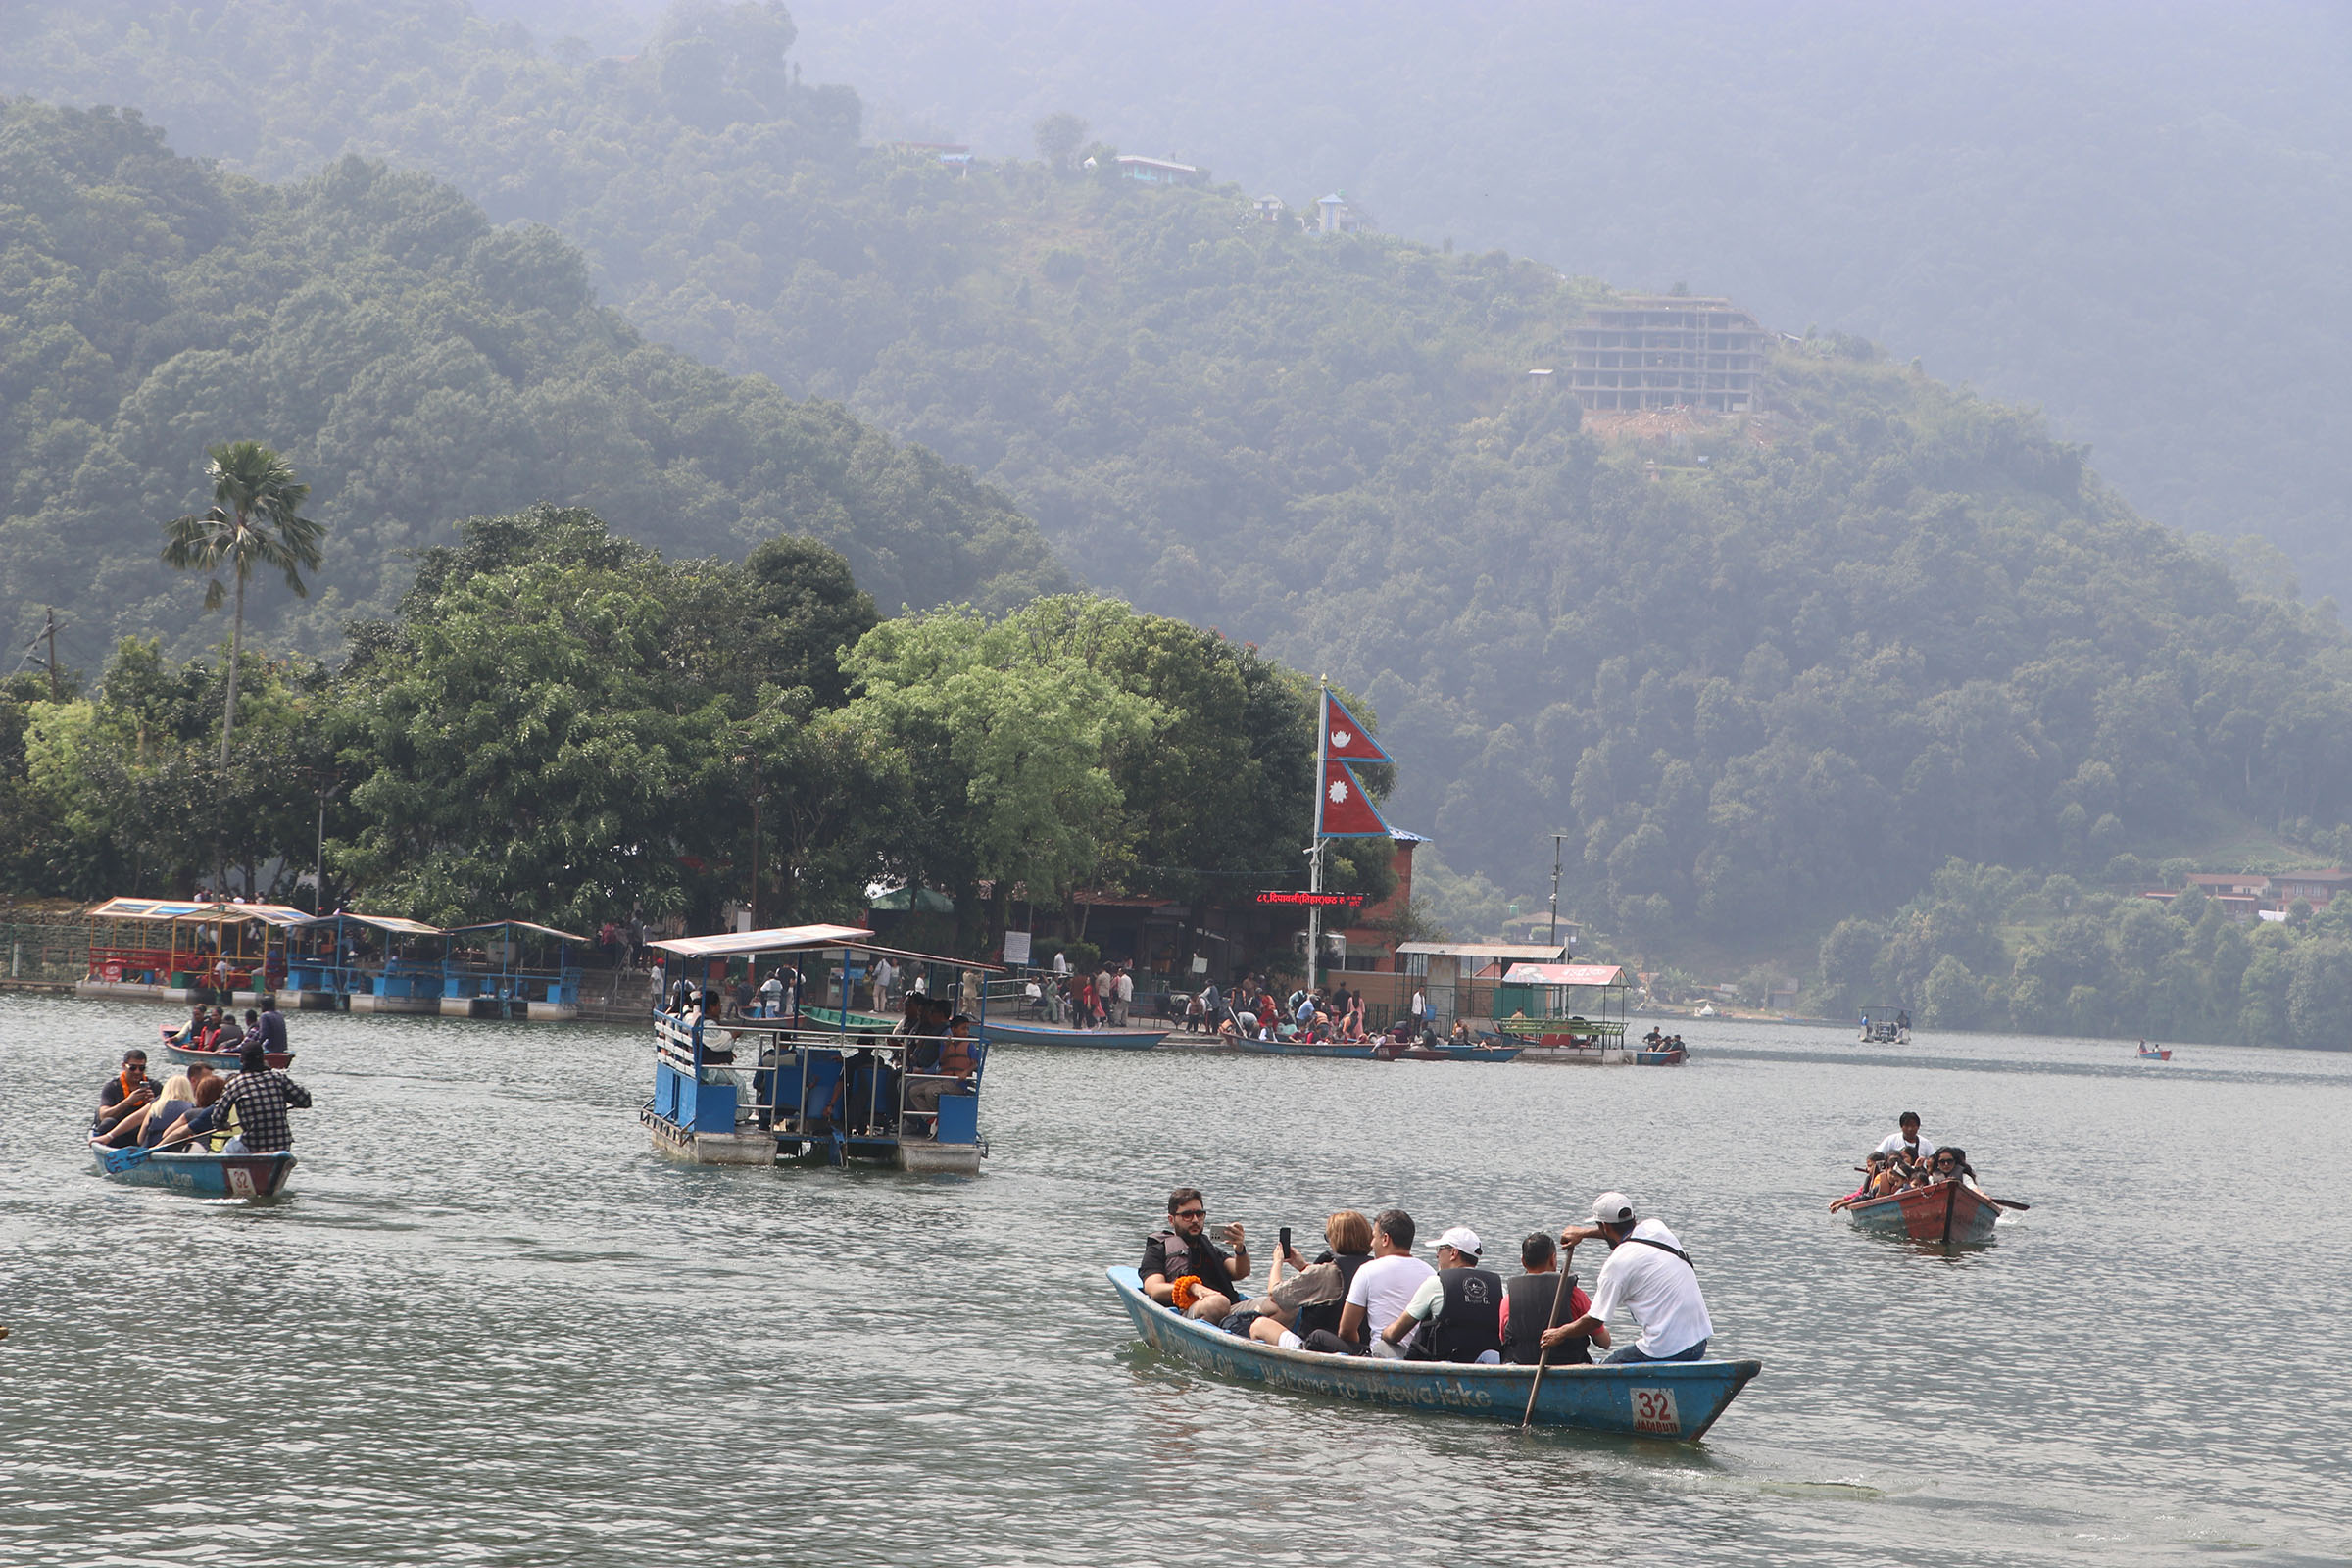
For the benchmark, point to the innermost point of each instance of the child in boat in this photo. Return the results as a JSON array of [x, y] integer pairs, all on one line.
[[1874, 1172]]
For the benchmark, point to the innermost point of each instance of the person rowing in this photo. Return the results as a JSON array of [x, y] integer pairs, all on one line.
[[1904, 1143], [1649, 1275]]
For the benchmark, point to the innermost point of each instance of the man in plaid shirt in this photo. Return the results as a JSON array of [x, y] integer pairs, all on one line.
[[261, 1097]]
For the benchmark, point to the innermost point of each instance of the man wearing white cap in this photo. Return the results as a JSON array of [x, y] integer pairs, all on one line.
[[1651, 1275], [1459, 1308]]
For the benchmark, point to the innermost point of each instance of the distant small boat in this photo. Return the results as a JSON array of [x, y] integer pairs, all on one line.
[[1670, 1056], [1949, 1213], [1352, 1050], [1673, 1399], [2159, 1053], [1461, 1053], [202, 1174], [1054, 1034], [225, 1060]]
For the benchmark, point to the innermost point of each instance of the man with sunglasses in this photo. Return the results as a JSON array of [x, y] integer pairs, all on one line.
[[1184, 1249]]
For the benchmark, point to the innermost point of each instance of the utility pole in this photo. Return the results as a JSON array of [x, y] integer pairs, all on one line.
[[1555, 888], [50, 631], [318, 866]]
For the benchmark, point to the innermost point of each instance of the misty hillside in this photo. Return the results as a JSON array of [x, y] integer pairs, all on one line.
[[2129, 213], [419, 364], [1765, 671]]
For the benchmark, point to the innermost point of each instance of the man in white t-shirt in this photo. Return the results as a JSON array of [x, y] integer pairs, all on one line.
[[771, 995], [1907, 1143], [1122, 997], [886, 975], [1649, 1274], [1381, 1290]]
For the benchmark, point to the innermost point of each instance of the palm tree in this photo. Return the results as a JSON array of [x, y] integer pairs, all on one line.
[[255, 521]]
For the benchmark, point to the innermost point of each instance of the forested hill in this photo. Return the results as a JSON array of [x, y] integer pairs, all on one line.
[[418, 364], [1765, 673]]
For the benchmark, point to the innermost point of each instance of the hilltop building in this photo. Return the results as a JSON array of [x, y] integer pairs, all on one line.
[[2246, 896], [1158, 171], [1270, 208], [1335, 213], [1666, 351]]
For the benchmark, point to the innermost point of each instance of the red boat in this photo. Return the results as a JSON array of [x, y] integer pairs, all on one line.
[[2159, 1053], [1948, 1213]]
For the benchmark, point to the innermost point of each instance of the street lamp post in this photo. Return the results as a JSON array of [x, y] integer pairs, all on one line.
[[1555, 888]]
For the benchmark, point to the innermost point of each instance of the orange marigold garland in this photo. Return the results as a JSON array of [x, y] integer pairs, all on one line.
[[1185, 1291]]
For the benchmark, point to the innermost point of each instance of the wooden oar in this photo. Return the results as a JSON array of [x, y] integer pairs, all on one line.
[[2005, 1202], [132, 1158], [1535, 1385]]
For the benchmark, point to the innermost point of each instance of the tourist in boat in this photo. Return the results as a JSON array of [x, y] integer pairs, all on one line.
[[942, 1061], [173, 1101], [1950, 1164], [1649, 1275], [1456, 1313], [193, 1127], [1185, 1269], [197, 1017], [1311, 1298], [126, 1093], [1904, 1141], [1528, 1303], [259, 1096], [1379, 1292], [273, 1025], [1878, 1177]]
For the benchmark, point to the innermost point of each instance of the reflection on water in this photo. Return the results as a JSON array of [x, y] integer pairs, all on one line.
[[488, 1323]]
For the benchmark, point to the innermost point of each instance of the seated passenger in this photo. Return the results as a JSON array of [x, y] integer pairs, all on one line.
[[1535, 1301], [1874, 1169], [261, 1096], [1949, 1165], [1184, 1268], [1377, 1292], [123, 1096], [205, 1127], [867, 1097], [1456, 1313], [1312, 1297], [194, 1027], [940, 1066], [176, 1099]]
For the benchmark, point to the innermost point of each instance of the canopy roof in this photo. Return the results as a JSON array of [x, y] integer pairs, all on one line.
[[520, 925], [1564, 974], [801, 938], [1523, 952], [382, 922], [280, 914]]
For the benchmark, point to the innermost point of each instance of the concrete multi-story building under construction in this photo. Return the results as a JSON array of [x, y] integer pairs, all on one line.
[[1665, 351]]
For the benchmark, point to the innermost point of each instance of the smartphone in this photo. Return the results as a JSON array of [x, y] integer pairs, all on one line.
[[1281, 1247]]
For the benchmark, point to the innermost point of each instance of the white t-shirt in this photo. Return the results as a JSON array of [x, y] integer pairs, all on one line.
[[771, 990], [1384, 1287], [1658, 1289], [1126, 986], [1061, 964], [1894, 1145]]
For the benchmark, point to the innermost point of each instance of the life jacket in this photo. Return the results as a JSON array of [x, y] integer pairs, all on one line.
[[955, 1056], [1532, 1298], [1207, 1267], [1325, 1316], [1468, 1323]]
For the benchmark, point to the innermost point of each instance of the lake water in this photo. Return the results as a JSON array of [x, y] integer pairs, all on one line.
[[489, 1325]]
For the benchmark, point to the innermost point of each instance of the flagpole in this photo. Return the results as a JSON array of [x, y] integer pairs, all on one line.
[[1315, 849]]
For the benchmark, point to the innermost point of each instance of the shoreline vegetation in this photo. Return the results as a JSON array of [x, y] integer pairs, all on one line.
[[1878, 640]]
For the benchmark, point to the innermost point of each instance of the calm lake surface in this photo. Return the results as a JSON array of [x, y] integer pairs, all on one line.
[[489, 1325]]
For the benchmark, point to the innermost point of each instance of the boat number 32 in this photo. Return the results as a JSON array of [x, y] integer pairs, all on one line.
[[1653, 1411], [240, 1185]]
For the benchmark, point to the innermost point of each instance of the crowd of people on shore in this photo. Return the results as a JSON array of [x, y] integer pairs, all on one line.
[[1077, 1000], [1368, 1295], [1904, 1160], [1310, 1015], [201, 1110]]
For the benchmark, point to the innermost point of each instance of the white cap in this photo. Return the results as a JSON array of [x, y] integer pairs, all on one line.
[[1612, 1208], [1463, 1239]]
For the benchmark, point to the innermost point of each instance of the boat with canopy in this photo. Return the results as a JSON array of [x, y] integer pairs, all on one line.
[[825, 1083], [1673, 1400], [1566, 1012], [185, 951]]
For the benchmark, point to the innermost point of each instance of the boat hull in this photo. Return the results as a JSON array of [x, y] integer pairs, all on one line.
[[225, 1060], [1659, 1059], [204, 1175], [1367, 1051], [1673, 1400], [1460, 1053], [1948, 1214], [1048, 1034], [2156, 1055]]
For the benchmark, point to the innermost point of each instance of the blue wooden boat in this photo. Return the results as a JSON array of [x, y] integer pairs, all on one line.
[[1054, 1034], [1361, 1051], [1461, 1053], [1673, 1399], [202, 1174], [1672, 1057]]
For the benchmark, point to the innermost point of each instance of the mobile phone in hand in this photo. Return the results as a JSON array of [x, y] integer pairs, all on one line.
[[1281, 1247]]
